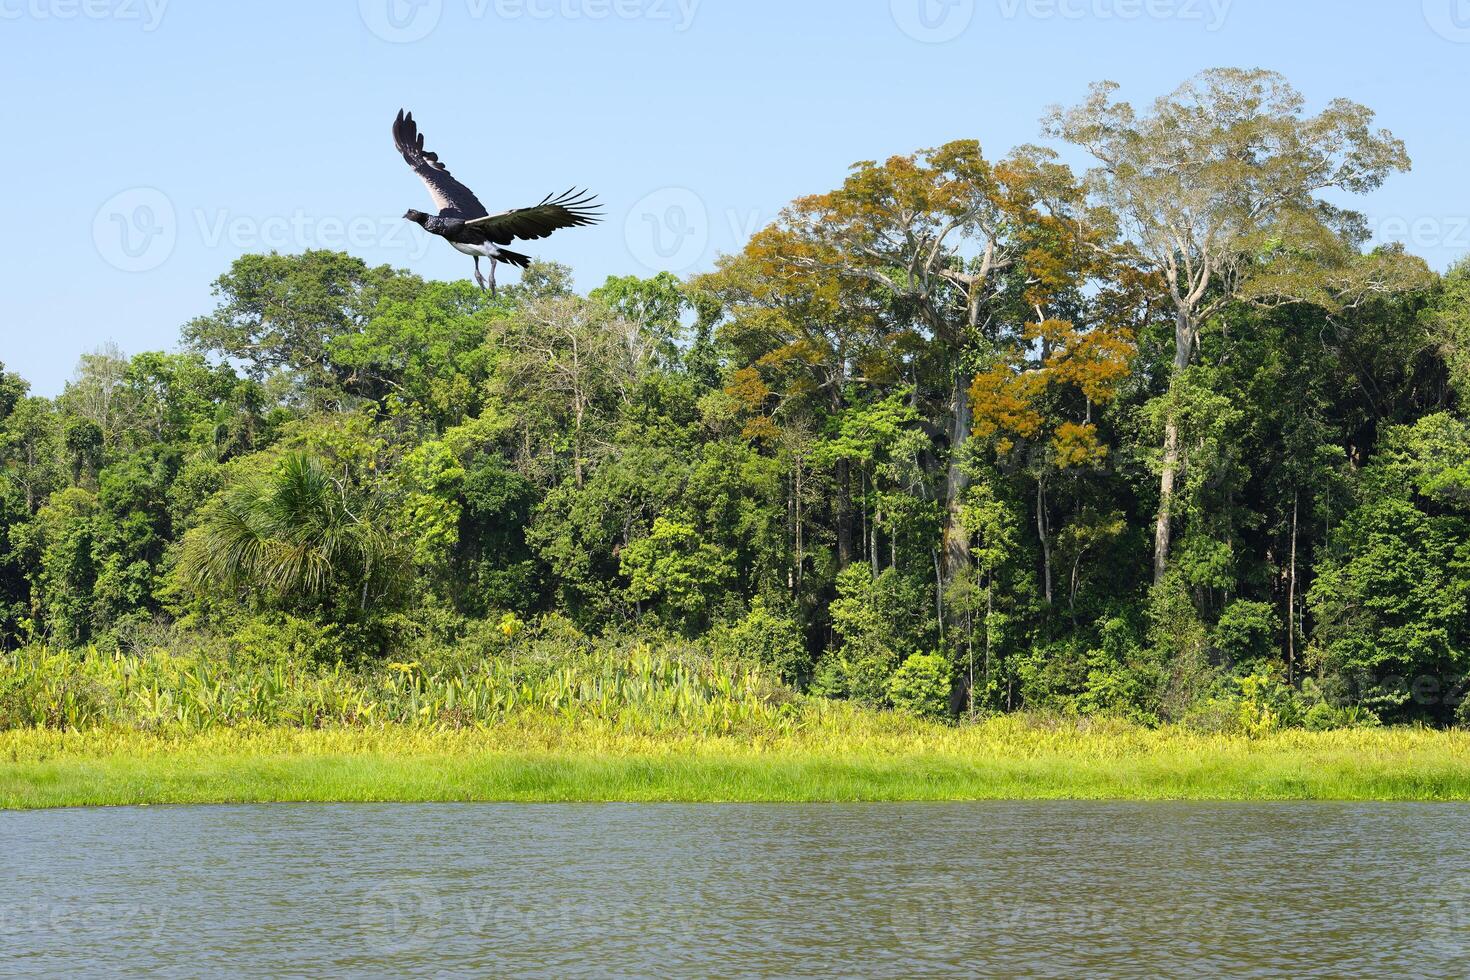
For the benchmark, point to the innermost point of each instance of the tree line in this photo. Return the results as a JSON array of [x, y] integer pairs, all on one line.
[[968, 432]]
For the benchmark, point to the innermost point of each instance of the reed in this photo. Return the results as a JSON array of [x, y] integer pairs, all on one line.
[[615, 721], [633, 686]]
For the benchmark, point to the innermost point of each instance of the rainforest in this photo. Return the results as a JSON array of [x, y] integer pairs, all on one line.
[[1128, 431]]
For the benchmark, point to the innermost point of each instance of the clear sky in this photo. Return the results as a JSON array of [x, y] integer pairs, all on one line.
[[150, 142]]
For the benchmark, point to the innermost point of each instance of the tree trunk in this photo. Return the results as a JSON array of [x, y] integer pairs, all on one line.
[[970, 646], [938, 592], [844, 514], [956, 538], [1291, 598], [866, 552], [1183, 349], [989, 614], [577, 445], [800, 555], [877, 516], [1041, 532], [791, 535], [1166, 499]]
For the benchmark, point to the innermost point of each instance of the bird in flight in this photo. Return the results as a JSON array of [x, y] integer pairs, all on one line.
[[463, 221]]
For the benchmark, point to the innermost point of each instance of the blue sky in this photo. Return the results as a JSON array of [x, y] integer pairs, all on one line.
[[150, 142]]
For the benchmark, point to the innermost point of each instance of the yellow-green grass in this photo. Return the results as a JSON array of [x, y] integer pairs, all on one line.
[[840, 755]]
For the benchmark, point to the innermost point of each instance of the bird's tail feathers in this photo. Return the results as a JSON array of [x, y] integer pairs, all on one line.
[[514, 258]]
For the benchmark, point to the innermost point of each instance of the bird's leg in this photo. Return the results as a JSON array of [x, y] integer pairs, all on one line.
[[479, 279], [492, 275]]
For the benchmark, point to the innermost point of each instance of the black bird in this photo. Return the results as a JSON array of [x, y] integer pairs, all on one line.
[[463, 221]]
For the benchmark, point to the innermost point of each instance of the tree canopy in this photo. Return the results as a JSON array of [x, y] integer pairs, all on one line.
[[960, 433]]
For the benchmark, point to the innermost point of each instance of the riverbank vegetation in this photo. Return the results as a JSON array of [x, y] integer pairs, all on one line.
[[681, 688], [840, 752], [1166, 443]]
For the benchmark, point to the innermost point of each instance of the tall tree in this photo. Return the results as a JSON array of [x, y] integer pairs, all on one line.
[[1210, 186], [1449, 320], [562, 361], [281, 315], [946, 244]]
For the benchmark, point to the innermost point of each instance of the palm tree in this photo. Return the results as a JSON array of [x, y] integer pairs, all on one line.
[[295, 534]]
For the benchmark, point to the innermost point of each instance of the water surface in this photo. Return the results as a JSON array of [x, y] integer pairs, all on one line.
[[1033, 889]]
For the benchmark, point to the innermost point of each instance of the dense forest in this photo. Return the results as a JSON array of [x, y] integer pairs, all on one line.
[[968, 433]]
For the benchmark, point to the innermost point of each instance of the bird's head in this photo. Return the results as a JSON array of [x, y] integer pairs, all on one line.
[[416, 216]]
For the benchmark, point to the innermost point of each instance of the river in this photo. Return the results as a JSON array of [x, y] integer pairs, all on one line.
[[1029, 889]]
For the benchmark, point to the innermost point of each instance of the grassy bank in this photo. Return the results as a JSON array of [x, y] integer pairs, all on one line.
[[594, 722], [842, 755]]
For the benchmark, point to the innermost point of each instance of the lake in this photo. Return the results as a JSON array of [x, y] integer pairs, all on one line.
[[1036, 889]]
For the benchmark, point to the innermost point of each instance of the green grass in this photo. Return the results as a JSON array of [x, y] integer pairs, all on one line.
[[843, 755], [611, 722]]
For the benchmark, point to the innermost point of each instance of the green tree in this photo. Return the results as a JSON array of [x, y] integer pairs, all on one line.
[[1449, 323], [1218, 189], [677, 572], [921, 686], [773, 640], [1392, 596], [298, 537], [281, 316]]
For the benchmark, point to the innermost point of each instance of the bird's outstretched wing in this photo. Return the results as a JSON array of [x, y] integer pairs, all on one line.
[[571, 209], [453, 199]]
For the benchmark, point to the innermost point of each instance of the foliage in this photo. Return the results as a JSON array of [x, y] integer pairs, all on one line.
[[774, 641], [1393, 594], [1112, 446], [1246, 632], [921, 686], [270, 678], [295, 538], [677, 571], [870, 616]]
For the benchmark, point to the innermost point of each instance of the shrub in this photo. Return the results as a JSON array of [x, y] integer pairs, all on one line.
[[873, 619], [1266, 703], [1246, 631], [921, 686], [1114, 675], [628, 685], [770, 639]]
